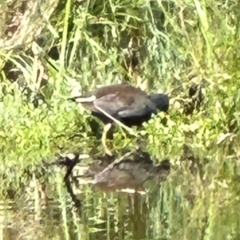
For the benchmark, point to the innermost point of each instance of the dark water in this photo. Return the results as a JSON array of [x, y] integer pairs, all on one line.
[[163, 213], [189, 204], [102, 216]]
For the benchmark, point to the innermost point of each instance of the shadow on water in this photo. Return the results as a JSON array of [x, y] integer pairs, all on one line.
[[119, 197]]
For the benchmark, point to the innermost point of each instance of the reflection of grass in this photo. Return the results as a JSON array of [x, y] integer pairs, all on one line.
[[159, 46]]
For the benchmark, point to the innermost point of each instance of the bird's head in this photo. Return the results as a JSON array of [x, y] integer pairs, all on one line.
[[161, 100]]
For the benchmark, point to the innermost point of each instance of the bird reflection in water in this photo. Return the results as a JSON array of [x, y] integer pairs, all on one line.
[[131, 172], [127, 173]]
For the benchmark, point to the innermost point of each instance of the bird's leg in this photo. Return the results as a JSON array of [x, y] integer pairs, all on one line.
[[104, 138], [129, 130]]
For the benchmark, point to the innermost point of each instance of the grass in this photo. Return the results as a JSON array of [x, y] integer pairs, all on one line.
[[157, 45]]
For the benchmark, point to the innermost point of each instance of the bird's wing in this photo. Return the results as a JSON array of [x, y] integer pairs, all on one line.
[[111, 103], [138, 109]]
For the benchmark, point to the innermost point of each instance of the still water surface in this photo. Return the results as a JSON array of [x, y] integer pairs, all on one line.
[[186, 206], [160, 214]]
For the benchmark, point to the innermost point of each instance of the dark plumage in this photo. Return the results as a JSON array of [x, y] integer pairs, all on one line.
[[124, 104]]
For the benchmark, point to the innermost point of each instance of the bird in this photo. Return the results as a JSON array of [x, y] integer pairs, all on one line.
[[122, 104]]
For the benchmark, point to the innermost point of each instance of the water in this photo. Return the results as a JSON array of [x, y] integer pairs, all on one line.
[[188, 205]]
